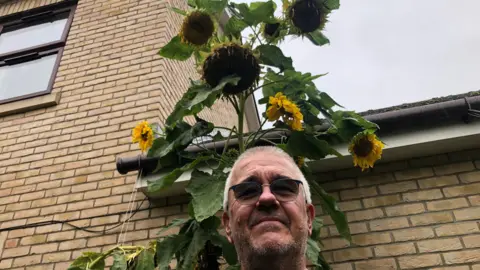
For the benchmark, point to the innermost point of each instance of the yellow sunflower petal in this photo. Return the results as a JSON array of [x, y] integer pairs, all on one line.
[[366, 149], [273, 113]]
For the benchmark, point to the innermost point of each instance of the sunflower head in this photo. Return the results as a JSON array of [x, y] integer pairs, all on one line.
[[231, 60], [143, 135], [281, 106], [197, 28], [307, 15], [366, 149], [271, 30]]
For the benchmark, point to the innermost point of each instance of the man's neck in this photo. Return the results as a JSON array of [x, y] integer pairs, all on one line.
[[273, 263]]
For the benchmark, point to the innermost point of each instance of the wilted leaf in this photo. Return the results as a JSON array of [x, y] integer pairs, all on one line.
[[176, 49], [167, 180], [273, 56], [145, 260], [332, 4], [197, 97], [178, 11], [317, 38], [119, 261], [212, 6], [207, 193], [302, 144], [167, 248]]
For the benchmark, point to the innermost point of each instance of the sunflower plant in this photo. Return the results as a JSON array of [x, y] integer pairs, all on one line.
[[232, 67]]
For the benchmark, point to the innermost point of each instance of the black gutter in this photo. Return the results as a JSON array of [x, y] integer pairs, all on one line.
[[390, 122]]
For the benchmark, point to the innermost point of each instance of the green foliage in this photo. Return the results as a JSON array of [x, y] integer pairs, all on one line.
[[207, 193], [176, 50], [323, 124]]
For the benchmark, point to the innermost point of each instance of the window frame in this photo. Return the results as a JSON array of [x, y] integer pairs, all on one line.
[[33, 17]]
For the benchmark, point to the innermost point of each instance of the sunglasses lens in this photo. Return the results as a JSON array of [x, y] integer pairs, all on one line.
[[247, 192], [285, 189]]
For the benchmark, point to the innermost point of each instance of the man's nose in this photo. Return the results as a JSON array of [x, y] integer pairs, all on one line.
[[267, 198]]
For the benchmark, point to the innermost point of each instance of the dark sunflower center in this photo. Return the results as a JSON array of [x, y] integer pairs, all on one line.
[[231, 60], [198, 28], [144, 136], [306, 15], [363, 147], [271, 29]]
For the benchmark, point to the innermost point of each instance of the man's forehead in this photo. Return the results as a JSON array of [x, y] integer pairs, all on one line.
[[263, 165]]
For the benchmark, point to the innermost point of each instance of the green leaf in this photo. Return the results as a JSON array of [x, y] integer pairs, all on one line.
[[235, 26], [312, 250], [212, 6], [175, 223], [316, 227], [176, 50], [196, 244], [332, 4], [228, 249], [145, 260], [302, 144], [317, 38], [178, 11], [167, 248], [329, 204], [207, 193], [234, 267], [197, 97], [119, 261], [348, 124], [85, 261], [167, 180], [273, 56], [257, 12]]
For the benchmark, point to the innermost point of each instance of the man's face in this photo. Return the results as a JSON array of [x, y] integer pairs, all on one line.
[[268, 226]]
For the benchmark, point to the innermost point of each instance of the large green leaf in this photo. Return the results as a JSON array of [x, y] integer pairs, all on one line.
[[88, 261], [167, 180], [316, 227], [257, 12], [273, 56], [312, 250], [228, 249], [317, 38], [332, 4], [213, 6], [329, 204], [207, 193], [176, 50], [197, 97], [175, 223], [119, 261], [348, 124], [196, 244], [235, 26], [146, 260], [167, 248], [302, 144]]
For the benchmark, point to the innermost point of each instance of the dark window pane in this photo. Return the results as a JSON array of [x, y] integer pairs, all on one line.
[[26, 78], [31, 36]]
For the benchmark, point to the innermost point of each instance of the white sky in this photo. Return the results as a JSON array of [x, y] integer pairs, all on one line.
[[386, 52]]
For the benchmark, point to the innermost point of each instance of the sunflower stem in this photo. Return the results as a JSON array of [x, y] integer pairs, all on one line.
[[241, 145]]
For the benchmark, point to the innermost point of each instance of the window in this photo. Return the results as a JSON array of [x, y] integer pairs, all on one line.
[[31, 44]]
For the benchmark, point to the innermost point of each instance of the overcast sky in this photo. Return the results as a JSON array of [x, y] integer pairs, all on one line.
[[386, 52]]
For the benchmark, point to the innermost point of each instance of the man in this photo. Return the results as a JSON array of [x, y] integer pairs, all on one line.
[[268, 210]]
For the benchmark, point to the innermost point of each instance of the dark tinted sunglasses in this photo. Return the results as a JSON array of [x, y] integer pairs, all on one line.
[[284, 190]]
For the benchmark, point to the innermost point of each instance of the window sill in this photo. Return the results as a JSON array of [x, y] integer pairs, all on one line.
[[29, 104]]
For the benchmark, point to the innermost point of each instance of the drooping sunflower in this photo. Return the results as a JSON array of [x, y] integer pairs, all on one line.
[[307, 15], [280, 106], [197, 28], [231, 60], [366, 149], [143, 135]]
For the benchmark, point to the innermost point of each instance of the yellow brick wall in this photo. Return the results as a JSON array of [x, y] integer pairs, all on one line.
[[415, 214]]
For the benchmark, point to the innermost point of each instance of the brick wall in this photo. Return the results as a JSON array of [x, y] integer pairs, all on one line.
[[415, 214], [58, 163]]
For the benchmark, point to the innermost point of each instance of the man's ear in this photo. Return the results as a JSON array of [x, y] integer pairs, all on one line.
[[226, 225], [310, 217]]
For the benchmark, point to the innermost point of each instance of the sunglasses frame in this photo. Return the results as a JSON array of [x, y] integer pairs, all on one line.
[[298, 182]]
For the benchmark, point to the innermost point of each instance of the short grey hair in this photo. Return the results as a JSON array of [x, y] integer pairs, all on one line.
[[267, 150]]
